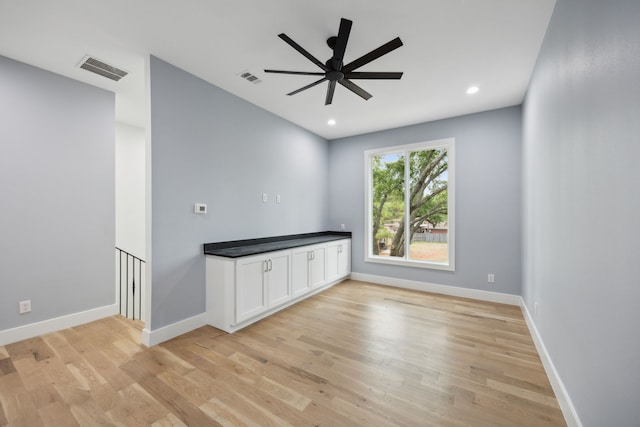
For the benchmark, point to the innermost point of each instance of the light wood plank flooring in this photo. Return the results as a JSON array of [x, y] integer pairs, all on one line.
[[355, 355]]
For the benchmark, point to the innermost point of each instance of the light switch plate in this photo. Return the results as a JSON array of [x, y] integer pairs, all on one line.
[[200, 208]]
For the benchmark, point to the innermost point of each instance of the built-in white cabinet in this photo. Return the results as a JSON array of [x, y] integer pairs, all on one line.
[[308, 269], [262, 282], [338, 259], [243, 290]]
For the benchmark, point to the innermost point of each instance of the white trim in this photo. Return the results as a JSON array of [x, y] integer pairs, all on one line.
[[412, 147], [568, 410], [449, 144], [440, 289], [378, 259], [148, 288], [157, 336], [31, 330]]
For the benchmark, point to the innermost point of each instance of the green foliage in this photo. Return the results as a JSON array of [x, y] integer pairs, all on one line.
[[384, 233]]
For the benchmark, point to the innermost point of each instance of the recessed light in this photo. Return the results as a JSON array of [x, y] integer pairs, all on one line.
[[331, 122], [472, 90]]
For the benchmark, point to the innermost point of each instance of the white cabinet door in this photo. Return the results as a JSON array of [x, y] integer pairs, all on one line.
[[278, 279], [317, 270], [308, 269], [300, 272], [332, 261], [251, 287], [338, 259], [344, 258]]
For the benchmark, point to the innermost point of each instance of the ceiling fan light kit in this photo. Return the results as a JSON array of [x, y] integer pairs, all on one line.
[[334, 71]]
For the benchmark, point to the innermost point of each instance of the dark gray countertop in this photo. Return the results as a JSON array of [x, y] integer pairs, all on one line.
[[241, 248]]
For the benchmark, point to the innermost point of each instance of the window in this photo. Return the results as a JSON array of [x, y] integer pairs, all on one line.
[[409, 205]]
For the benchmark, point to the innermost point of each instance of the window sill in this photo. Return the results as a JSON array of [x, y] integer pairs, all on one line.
[[411, 263]]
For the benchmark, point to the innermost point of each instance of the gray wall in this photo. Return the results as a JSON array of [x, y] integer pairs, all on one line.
[[211, 147], [488, 227], [581, 132], [57, 185]]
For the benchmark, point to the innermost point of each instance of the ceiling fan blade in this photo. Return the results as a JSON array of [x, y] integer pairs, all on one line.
[[331, 88], [300, 49], [307, 86], [373, 55], [355, 88], [373, 75], [301, 73], [341, 42]]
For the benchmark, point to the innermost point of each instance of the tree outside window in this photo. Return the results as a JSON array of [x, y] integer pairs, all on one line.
[[410, 204]]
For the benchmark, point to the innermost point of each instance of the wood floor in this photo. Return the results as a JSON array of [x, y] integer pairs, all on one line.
[[355, 355]]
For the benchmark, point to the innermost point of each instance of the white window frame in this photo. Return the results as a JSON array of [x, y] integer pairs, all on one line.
[[449, 143]]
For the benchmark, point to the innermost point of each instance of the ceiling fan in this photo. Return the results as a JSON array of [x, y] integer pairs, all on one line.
[[334, 71]]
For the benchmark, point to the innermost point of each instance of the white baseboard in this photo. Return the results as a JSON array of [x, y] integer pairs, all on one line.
[[568, 410], [157, 336], [440, 289], [31, 330]]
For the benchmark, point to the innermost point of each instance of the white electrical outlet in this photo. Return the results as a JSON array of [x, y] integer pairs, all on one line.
[[265, 198], [491, 278], [278, 199], [25, 306], [342, 227]]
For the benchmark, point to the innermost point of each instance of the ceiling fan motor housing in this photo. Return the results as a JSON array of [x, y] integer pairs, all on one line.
[[334, 75]]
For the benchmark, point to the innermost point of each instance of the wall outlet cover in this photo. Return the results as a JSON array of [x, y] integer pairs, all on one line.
[[25, 307]]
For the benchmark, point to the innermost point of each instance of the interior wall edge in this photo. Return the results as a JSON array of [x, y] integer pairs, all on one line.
[[165, 333]]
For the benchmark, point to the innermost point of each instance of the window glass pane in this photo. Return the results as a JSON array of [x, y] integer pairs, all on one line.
[[387, 210], [428, 230], [410, 216]]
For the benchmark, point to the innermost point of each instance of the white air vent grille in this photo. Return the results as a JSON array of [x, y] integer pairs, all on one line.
[[102, 68], [250, 77]]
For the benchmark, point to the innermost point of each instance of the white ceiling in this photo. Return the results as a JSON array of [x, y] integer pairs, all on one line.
[[449, 45]]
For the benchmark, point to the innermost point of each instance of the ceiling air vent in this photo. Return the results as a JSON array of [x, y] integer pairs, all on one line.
[[250, 77], [102, 68]]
